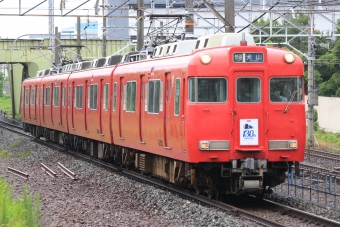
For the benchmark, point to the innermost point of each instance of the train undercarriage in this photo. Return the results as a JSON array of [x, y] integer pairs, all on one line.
[[247, 176]]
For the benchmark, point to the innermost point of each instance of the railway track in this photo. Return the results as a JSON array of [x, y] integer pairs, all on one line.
[[325, 155], [187, 194]]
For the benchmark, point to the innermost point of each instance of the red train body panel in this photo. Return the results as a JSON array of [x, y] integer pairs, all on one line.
[[183, 110]]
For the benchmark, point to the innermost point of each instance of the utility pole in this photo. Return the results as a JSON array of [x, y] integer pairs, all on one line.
[[230, 15], [189, 23], [51, 28], [104, 31], [140, 25], [312, 95], [78, 40]]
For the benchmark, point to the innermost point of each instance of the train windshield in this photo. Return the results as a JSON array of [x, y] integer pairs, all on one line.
[[207, 89], [248, 89], [286, 89]]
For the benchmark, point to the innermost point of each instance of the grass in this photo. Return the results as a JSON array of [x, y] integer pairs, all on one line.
[[328, 140], [6, 105], [4, 154], [16, 144], [22, 212]]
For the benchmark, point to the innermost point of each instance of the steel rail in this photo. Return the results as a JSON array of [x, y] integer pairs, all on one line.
[[48, 170], [305, 215], [18, 173], [67, 171]]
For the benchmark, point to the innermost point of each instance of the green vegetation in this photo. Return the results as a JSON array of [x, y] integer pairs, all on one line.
[[21, 212], [16, 144], [4, 154], [6, 105], [328, 140]]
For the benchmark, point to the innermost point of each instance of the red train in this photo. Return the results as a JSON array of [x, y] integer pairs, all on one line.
[[228, 117]]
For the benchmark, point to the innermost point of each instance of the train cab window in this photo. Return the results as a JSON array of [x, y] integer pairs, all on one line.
[[153, 96], [177, 96], [207, 90], [248, 89], [130, 97], [114, 96], [106, 97], [206, 42], [47, 96], [93, 93], [56, 96], [79, 96], [175, 47], [287, 89], [63, 98], [26, 96], [32, 96]]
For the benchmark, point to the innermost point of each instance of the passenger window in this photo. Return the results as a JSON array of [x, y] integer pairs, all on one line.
[[63, 96], [207, 90], [248, 89], [79, 96], [177, 96], [114, 96], [56, 96], [93, 96], [47, 96], [288, 89], [32, 96], [26, 96], [131, 96], [153, 96], [106, 97], [37, 97], [69, 97]]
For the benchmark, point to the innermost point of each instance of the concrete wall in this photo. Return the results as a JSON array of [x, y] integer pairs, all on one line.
[[329, 113]]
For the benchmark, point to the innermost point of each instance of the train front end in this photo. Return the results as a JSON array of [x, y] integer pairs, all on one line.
[[245, 118]]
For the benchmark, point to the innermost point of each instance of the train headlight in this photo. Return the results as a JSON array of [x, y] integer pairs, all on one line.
[[205, 58], [289, 57], [292, 144], [204, 145]]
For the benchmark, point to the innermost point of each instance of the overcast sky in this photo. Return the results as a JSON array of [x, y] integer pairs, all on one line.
[[15, 26]]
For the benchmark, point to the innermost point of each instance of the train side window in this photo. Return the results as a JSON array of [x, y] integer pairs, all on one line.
[[131, 96], [26, 96], [115, 96], [248, 89], [56, 96], [213, 90], [32, 96], [37, 97], [153, 96], [79, 96], [286, 89], [63, 96], [47, 96], [177, 96], [93, 96], [106, 97], [69, 97]]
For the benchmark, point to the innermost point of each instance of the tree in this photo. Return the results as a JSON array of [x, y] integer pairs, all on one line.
[[331, 88], [2, 76]]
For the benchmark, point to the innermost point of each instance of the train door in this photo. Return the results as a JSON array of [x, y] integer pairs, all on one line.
[[167, 114], [141, 108], [86, 104], [182, 114], [121, 108], [72, 103], [101, 100], [35, 103], [248, 111]]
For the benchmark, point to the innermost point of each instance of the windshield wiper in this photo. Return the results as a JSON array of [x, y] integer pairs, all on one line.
[[290, 101]]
